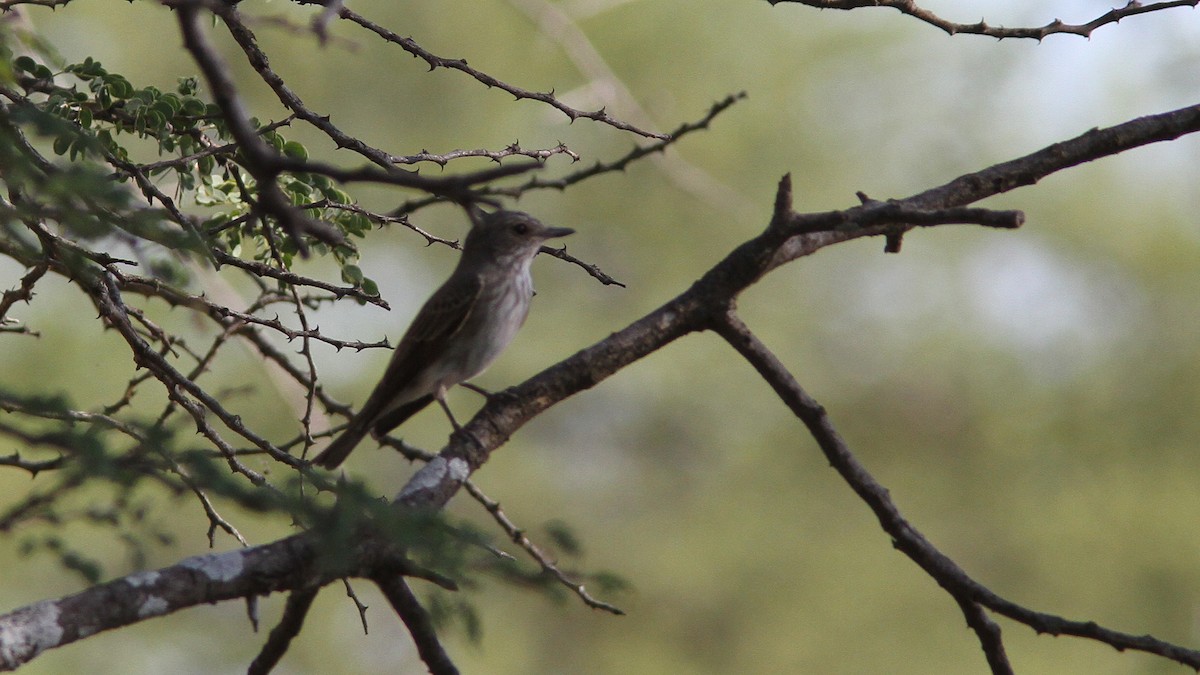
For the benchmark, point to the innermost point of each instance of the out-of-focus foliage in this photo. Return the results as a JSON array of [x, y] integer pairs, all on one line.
[[96, 118]]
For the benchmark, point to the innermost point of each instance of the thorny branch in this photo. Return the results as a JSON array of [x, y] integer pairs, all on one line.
[[434, 61], [598, 168], [910, 8], [788, 236], [519, 538]]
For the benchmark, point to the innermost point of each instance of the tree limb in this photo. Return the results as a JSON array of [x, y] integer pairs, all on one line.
[[418, 622], [906, 537], [294, 611]]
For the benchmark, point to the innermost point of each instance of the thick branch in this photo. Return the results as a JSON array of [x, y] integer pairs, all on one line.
[[997, 179], [296, 563], [790, 235], [294, 613], [28, 631], [418, 622]]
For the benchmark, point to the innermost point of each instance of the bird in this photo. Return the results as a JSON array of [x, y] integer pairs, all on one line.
[[459, 331]]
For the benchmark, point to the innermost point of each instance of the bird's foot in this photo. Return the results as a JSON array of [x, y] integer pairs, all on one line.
[[463, 433]]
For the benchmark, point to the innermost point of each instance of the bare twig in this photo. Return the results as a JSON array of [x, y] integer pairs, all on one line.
[[23, 291], [107, 298], [910, 8], [904, 535], [358, 604], [603, 82], [6, 5], [591, 268], [512, 150], [623, 162], [263, 270], [989, 637], [33, 467], [434, 61], [72, 416], [519, 537]]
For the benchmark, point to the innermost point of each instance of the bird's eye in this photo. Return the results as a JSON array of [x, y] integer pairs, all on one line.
[[521, 228]]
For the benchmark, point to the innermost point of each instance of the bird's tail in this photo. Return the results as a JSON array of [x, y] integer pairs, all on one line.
[[352, 435], [340, 448], [398, 415]]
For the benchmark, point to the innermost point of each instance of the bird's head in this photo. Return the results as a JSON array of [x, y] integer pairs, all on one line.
[[504, 236]]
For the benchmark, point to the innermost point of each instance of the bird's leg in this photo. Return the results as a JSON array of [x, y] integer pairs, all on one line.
[[489, 395], [440, 396], [453, 422], [478, 389]]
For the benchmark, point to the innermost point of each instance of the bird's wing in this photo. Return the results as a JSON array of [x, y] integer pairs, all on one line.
[[443, 315], [445, 312]]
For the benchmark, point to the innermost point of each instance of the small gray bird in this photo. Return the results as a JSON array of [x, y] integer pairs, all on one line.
[[459, 331]]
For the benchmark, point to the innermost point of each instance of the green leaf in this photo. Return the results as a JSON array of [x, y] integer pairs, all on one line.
[[62, 144], [194, 107], [79, 147], [295, 150], [164, 107], [358, 225], [119, 87], [90, 69], [188, 86], [25, 63], [148, 94], [106, 139], [336, 196], [352, 274], [275, 140], [156, 120], [299, 190], [187, 181]]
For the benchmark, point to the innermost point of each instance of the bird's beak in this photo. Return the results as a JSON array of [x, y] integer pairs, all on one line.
[[552, 232]]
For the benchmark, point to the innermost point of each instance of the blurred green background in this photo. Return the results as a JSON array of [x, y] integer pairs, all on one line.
[[1028, 397]]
